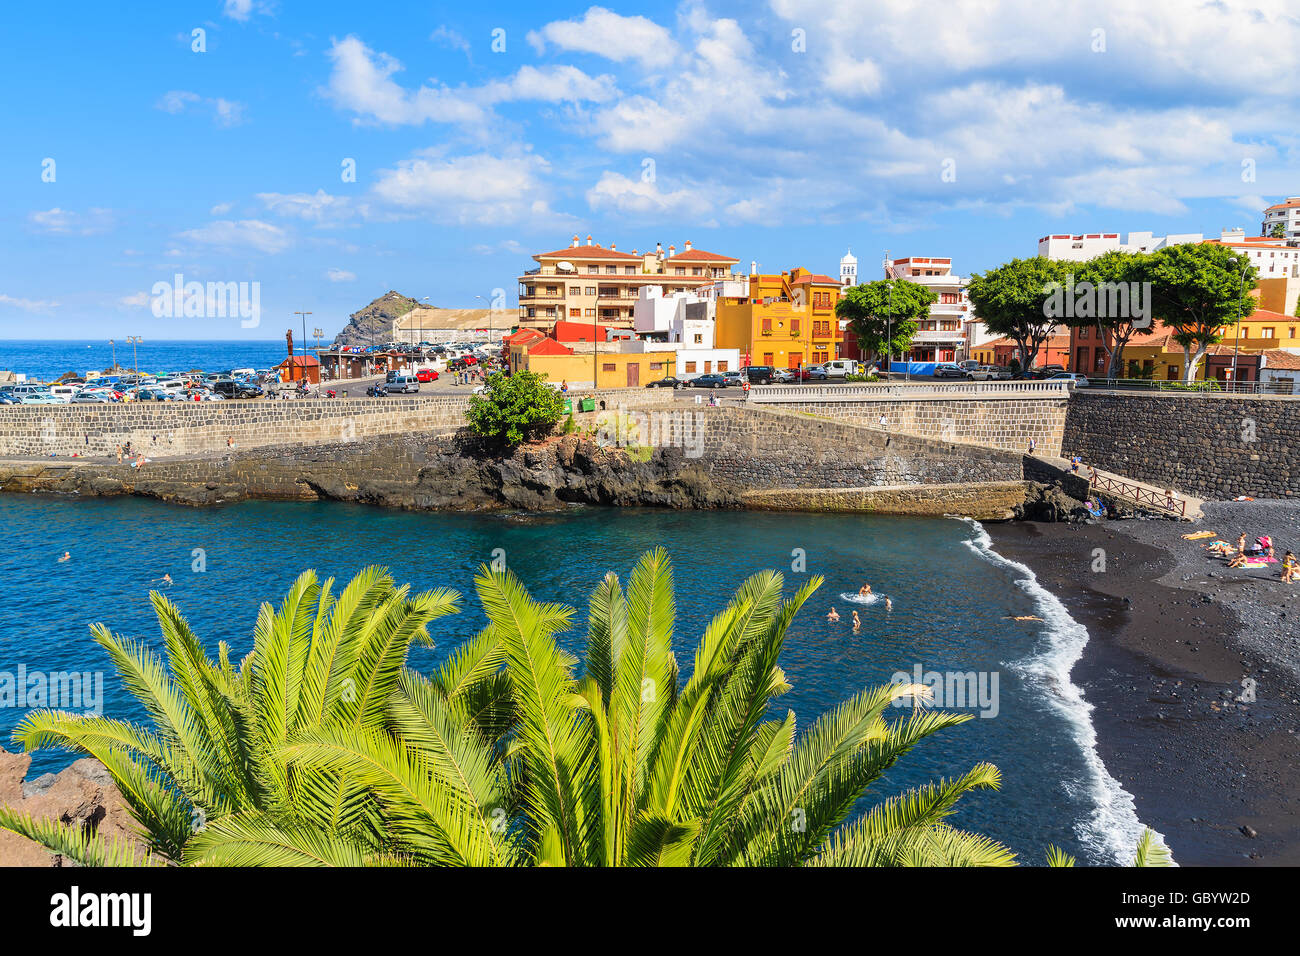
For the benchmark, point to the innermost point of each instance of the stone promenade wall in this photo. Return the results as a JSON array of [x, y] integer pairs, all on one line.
[[172, 429], [1213, 447]]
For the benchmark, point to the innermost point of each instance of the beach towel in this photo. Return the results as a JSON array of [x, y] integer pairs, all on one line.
[[1199, 535], [1254, 564]]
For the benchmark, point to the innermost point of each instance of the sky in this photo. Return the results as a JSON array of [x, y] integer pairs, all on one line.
[[330, 151]]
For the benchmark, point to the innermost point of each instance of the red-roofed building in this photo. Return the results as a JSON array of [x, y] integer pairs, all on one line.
[[294, 369], [565, 331], [1285, 214], [592, 284]]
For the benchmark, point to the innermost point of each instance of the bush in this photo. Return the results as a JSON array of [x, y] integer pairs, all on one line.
[[515, 408]]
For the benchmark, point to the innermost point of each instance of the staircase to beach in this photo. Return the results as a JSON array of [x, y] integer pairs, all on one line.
[[1107, 484]]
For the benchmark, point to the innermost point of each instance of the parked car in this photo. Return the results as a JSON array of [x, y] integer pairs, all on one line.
[[666, 382], [426, 375], [988, 373], [229, 388], [1045, 371], [405, 384], [1074, 378], [713, 380], [786, 375], [759, 374], [968, 364], [813, 373], [92, 397], [949, 370], [733, 377], [38, 398], [840, 368]]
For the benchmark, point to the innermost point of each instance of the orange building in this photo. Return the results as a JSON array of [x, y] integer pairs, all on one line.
[[786, 320]]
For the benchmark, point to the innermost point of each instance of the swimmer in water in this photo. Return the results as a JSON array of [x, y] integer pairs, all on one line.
[[65, 556], [832, 617], [857, 623], [889, 605], [864, 590], [1023, 617], [165, 579]]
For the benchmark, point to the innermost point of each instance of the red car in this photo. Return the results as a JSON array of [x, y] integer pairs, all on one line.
[[426, 375]]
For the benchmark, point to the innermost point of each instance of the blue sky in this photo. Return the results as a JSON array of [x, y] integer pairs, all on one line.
[[781, 132]]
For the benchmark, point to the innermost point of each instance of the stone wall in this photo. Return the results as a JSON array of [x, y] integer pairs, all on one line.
[[988, 421], [1213, 447], [172, 429]]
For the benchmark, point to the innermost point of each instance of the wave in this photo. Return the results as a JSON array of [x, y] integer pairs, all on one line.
[[854, 598], [1113, 828]]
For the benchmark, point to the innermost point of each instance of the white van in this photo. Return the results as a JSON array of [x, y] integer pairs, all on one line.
[[64, 392], [170, 385], [838, 368]]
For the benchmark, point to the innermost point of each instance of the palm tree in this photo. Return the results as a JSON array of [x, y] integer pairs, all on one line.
[[507, 756]]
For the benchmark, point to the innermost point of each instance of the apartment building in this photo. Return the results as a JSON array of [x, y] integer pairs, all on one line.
[[684, 323], [592, 283], [1084, 246], [942, 336], [1272, 258], [786, 320], [1286, 214]]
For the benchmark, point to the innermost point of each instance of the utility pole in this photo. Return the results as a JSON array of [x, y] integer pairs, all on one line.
[[304, 347], [135, 340]]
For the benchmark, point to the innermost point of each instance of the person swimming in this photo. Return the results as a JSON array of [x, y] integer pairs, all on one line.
[[857, 623], [65, 556], [889, 605], [1023, 617], [832, 617], [864, 590], [165, 579]]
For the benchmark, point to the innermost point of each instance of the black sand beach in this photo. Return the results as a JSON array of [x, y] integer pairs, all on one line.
[[1175, 639]]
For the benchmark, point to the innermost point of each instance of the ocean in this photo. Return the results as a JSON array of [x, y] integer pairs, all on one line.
[[45, 360], [953, 600]]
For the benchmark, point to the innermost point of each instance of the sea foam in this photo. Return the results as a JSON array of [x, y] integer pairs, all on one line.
[[1113, 828]]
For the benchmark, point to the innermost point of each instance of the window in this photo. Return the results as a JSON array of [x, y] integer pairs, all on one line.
[[611, 270], [575, 290], [1290, 333], [1267, 333], [690, 367], [679, 271], [591, 290], [767, 327], [722, 366], [767, 358], [708, 366], [589, 313], [1083, 332], [699, 339], [607, 366], [630, 271], [656, 366], [593, 270], [794, 326], [575, 313]]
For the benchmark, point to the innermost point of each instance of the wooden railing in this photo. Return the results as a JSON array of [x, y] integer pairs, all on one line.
[[1138, 494]]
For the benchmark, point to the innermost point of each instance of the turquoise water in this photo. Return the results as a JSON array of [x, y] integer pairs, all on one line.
[[950, 599]]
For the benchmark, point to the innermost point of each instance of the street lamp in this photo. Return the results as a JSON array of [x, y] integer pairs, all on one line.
[[304, 347], [113, 345], [1236, 349], [133, 341]]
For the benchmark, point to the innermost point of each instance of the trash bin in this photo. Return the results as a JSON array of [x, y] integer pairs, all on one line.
[[587, 405], [568, 406]]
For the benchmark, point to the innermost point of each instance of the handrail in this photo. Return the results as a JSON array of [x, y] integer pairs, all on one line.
[[1139, 494], [1199, 387], [1043, 389]]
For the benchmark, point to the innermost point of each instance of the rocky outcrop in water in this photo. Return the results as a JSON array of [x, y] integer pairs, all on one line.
[[82, 795]]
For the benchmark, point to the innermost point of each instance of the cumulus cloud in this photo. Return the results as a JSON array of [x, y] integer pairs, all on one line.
[[608, 34], [65, 222], [617, 193], [239, 235], [477, 188], [28, 305], [340, 275], [318, 207]]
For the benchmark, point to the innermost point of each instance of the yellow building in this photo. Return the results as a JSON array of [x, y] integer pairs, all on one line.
[[612, 369], [590, 283], [787, 320]]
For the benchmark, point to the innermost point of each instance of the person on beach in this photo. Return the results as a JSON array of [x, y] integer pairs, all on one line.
[[1075, 462], [832, 617], [1290, 569], [65, 556], [1241, 544]]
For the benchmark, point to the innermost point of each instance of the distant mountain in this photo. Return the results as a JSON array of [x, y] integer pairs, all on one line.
[[373, 325]]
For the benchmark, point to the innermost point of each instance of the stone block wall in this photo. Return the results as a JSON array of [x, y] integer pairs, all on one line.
[[1213, 447], [991, 422]]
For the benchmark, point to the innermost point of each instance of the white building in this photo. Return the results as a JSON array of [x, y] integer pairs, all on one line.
[[848, 270], [1287, 214], [1272, 258], [1079, 248], [684, 323], [942, 336]]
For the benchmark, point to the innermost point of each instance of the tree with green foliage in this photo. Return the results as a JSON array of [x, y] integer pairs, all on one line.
[[1198, 289], [321, 748], [515, 408], [1278, 231], [1014, 300], [883, 315], [1115, 300]]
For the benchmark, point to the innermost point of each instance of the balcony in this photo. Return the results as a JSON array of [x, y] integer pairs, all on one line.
[[543, 297]]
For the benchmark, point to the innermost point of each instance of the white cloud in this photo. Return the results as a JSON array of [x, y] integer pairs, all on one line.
[[318, 207], [618, 193], [450, 38], [64, 222], [607, 34], [221, 208], [224, 112], [135, 299], [28, 305], [552, 84], [243, 10], [244, 234], [340, 275], [478, 188]]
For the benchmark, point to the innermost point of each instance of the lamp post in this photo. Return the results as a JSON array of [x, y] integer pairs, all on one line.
[[1236, 349], [304, 347], [113, 346], [133, 341]]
